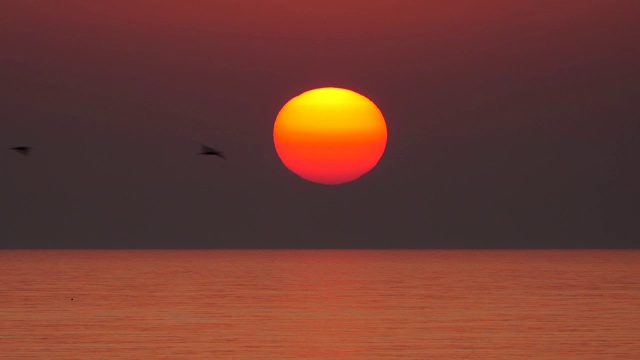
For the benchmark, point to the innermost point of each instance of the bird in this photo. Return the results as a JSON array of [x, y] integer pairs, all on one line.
[[24, 150], [211, 151]]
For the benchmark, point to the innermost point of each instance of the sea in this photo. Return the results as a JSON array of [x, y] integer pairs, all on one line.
[[319, 304]]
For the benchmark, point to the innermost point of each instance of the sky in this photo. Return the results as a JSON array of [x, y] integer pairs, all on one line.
[[511, 124]]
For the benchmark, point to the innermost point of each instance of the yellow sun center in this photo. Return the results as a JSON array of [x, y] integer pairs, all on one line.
[[330, 135]]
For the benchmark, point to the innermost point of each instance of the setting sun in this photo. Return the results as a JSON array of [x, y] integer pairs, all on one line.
[[330, 135]]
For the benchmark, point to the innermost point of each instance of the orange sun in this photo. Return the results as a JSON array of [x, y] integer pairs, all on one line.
[[330, 135]]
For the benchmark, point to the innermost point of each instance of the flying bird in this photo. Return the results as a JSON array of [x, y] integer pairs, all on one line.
[[211, 151], [24, 150]]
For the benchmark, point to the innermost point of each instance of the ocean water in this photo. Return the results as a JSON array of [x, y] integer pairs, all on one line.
[[342, 304]]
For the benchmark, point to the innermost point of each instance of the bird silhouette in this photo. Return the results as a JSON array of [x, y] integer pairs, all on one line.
[[211, 151], [24, 150]]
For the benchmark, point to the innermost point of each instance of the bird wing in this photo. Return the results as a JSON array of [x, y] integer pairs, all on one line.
[[205, 148], [24, 150]]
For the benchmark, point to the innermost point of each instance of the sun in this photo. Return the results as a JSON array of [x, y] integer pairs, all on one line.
[[330, 135]]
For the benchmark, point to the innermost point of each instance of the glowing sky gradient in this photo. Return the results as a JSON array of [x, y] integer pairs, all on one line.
[[511, 123]]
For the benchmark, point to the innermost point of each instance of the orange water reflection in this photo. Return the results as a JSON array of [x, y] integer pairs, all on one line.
[[319, 304]]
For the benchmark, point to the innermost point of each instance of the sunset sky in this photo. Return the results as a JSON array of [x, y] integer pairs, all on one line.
[[511, 124]]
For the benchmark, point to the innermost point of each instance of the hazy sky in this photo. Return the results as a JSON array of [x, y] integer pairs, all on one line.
[[511, 123]]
